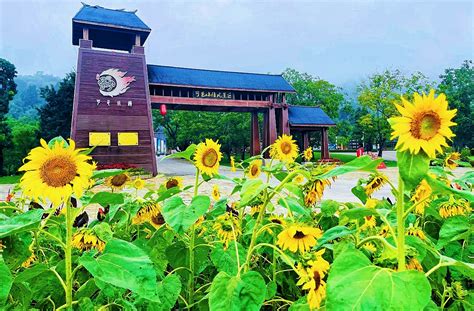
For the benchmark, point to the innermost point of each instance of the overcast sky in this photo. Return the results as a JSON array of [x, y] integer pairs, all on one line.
[[340, 41]]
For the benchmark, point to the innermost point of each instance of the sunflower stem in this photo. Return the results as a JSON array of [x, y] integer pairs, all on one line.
[[400, 227], [191, 250], [68, 255]]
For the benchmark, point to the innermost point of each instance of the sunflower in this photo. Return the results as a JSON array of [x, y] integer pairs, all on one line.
[[227, 227], [86, 239], [138, 183], [450, 160], [414, 264], [56, 172], [232, 164], [216, 195], [458, 291], [315, 192], [421, 197], [149, 212], [277, 219], [416, 231], [369, 223], [370, 247], [28, 262], [375, 182], [207, 157], [284, 149], [454, 207], [297, 237], [311, 279], [299, 179], [384, 231], [173, 182], [423, 124], [371, 203], [118, 181], [308, 154], [255, 209], [255, 168]]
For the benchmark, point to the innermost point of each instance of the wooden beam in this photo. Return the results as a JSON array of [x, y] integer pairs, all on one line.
[[255, 136], [272, 130], [324, 144], [85, 33], [305, 140], [284, 121], [209, 102]]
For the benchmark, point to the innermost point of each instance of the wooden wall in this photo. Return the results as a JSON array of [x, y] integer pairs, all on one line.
[[88, 117]]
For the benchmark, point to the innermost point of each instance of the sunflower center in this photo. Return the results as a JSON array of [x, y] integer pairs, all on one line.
[[285, 147], [299, 235], [426, 126], [158, 219], [254, 170], [171, 183], [119, 180], [317, 279], [209, 158], [276, 221], [58, 171]]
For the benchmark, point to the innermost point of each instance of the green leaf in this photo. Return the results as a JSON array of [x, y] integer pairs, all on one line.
[[354, 283], [106, 173], [250, 190], [334, 233], [412, 168], [360, 193], [181, 217], [178, 256], [355, 213], [440, 187], [58, 139], [271, 290], [465, 268], [226, 259], [30, 273], [329, 207], [294, 205], [107, 198], [186, 154], [364, 163], [300, 305], [123, 265], [218, 209], [6, 281], [20, 223], [234, 293], [168, 291], [453, 229]]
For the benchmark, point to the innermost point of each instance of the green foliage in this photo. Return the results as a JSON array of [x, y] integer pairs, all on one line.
[[55, 116], [355, 283], [458, 85], [413, 167], [180, 216], [24, 137], [237, 293], [7, 91], [20, 223]]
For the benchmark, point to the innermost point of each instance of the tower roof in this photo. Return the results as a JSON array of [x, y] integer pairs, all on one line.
[[108, 28]]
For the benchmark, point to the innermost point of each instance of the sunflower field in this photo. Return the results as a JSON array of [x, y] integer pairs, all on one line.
[[278, 247]]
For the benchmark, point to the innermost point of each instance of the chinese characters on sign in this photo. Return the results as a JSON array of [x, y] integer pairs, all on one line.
[[113, 82], [213, 94]]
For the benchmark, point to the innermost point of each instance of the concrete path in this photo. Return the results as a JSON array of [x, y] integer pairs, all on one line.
[[386, 155]]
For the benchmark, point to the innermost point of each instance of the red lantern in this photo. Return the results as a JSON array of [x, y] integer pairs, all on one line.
[[163, 110]]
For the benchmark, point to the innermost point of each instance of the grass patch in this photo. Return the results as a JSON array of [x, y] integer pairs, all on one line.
[[8, 180]]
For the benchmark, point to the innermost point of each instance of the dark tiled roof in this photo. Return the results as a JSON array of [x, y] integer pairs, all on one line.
[[305, 115], [103, 16], [217, 79]]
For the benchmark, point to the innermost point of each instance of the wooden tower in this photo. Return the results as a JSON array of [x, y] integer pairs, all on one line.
[[112, 110]]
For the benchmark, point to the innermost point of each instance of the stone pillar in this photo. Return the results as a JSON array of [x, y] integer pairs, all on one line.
[[255, 135]]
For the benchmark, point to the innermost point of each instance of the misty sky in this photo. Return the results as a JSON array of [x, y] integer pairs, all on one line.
[[340, 41]]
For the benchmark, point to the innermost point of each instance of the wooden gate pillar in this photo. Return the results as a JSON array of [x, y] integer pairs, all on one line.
[[284, 120], [305, 140], [324, 143], [255, 136]]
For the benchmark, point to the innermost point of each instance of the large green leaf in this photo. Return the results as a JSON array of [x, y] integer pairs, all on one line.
[[106, 173], [6, 281], [226, 259], [107, 198], [364, 163], [334, 233], [234, 293], [20, 223], [186, 154], [123, 265], [440, 187], [453, 229], [250, 190], [355, 213], [178, 256], [412, 168], [181, 217], [294, 205], [168, 291], [354, 283]]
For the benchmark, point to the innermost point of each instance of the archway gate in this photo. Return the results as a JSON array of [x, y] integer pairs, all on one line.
[[115, 91]]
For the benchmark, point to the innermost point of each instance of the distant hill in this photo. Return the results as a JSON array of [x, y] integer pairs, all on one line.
[[28, 98]]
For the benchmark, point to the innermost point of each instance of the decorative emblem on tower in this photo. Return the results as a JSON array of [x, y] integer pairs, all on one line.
[[112, 82]]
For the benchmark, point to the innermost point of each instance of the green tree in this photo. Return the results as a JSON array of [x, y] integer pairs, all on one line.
[[378, 95], [55, 115], [7, 91], [24, 137], [458, 85]]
